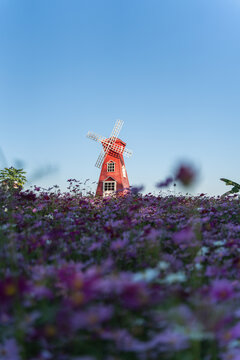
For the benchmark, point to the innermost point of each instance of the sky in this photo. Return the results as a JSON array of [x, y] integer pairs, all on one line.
[[169, 69]]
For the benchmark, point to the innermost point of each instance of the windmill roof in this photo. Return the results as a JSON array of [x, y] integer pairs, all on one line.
[[109, 178]]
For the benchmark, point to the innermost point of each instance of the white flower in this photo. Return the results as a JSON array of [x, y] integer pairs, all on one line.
[[162, 265], [147, 275], [175, 277]]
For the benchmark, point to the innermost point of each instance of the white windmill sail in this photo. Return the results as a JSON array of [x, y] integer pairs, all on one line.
[[109, 143], [112, 139]]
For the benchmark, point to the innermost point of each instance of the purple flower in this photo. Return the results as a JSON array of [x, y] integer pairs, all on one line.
[[92, 317], [95, 246], [165, 183], [221, 290], [9, 350], [118, 244], [136, 189], [11, 287], [168, 340], [185, 238], [235, 331], [41, 292], [232, 354], [231, 334], [135, 295]]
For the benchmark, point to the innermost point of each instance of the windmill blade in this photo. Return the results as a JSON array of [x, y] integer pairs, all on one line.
[[95, 137], [118, 148], [109, 143], [100, 159], [121, 150], [102, 154], [117, 128], [114, 135], [127, 152]]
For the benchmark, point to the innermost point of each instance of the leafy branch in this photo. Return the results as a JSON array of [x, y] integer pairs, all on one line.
[[235, 186], [12, 178]]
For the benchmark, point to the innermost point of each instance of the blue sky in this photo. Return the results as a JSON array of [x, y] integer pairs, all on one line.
[[170, 69]]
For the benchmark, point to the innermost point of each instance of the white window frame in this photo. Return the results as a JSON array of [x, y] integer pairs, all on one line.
[[112, 186], [110, 166]]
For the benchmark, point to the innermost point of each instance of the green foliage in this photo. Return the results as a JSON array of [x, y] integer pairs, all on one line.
[[235, 186], [12, 178]]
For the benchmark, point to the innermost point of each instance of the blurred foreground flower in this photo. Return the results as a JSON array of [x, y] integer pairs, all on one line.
[[9, 350], [221, 289], [136, 189], [165, 183], [186, 175]]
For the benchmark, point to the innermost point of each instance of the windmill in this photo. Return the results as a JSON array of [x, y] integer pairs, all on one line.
[[113, 176]]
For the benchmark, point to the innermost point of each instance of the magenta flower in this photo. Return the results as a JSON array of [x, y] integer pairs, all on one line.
[[11, 287], [134, 295]]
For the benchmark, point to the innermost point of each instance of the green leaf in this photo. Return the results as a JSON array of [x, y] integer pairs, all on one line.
[[12, 177], [234, 190], [230, 182]]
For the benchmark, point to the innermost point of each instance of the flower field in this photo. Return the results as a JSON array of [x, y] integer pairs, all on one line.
[[134, 277]]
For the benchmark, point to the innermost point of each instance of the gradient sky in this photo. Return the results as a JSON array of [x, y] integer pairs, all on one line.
[[170, 69]]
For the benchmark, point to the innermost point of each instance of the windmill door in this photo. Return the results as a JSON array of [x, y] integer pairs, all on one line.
[[109, 187]]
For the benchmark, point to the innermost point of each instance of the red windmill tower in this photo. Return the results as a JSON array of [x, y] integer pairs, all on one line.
[[113, 177]]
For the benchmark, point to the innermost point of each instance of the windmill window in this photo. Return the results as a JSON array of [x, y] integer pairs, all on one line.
[[109, 185], [111, 167]]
